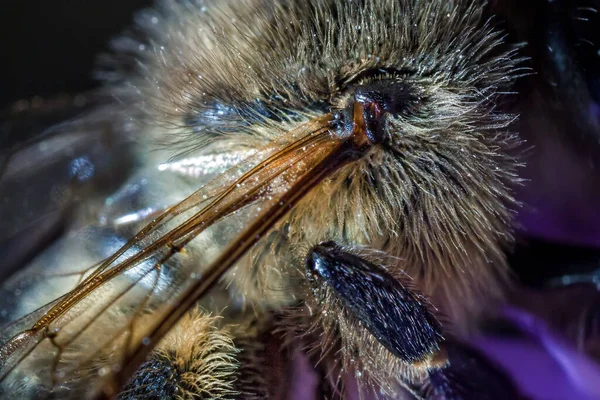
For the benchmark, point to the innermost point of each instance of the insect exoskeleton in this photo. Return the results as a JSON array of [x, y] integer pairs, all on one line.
[[432, 192], [381, 154]]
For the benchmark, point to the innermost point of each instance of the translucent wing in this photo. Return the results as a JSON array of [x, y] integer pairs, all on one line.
[[71, 196], [107, 325], [45, 173]]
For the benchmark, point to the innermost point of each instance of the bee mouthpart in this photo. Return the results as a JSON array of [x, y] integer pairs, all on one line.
[[363, 122], [369, 108], [370, 117]]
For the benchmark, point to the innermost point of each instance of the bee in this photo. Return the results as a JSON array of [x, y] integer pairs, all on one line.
[[336, 176]]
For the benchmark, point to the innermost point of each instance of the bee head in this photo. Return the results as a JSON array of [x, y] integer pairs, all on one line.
[[422, 84]]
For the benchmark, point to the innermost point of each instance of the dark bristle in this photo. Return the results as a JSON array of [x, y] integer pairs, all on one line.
[[251, 382], [396, 316]]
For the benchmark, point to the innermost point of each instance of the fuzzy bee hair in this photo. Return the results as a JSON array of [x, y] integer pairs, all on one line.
[[224, 75], [205, 357], [196, 360], [434, 196], [217, 76]]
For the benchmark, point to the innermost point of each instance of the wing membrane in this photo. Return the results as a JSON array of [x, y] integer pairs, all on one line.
[[63, 166], [110, 321]]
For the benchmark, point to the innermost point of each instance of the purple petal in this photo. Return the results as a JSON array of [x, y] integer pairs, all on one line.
[[546, 367]]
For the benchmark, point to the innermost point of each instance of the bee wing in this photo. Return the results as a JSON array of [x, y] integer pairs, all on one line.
[[73, 194], [106, 326], [45, 173]]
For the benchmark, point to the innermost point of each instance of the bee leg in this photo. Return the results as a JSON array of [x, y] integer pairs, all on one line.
[[196, 358], [468, 375], [398, 316], [251, 383]]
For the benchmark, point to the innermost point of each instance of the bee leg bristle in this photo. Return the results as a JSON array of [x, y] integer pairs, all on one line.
[[469, 375], [263, 359], [197, 359], [251, 382], [396, 315], [329, 386]]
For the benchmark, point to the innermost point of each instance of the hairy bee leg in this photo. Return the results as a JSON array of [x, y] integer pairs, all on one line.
[[251, 383], [398, 316], [197, 359], [469, 375], [157, 378], [208, 357]]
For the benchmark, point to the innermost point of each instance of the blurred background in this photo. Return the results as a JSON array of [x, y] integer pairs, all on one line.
[[49, 47]]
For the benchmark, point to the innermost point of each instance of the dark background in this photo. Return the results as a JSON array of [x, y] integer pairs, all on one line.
[[49, 47]]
